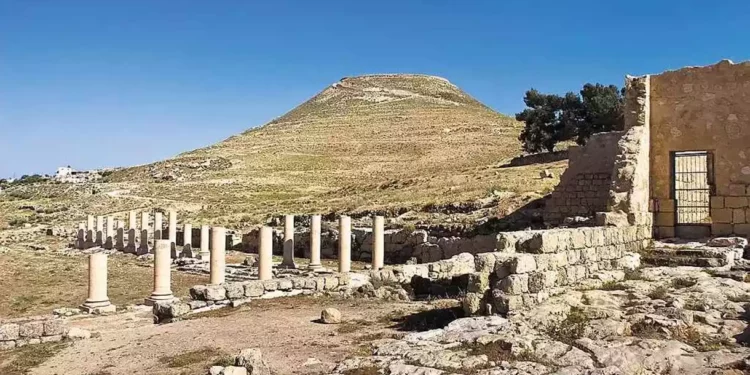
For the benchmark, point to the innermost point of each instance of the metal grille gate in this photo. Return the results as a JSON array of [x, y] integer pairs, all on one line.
[[692, 187]]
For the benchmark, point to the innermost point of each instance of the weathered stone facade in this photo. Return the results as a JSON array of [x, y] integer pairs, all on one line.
[[584, 186], [531, 266], [703, 108]]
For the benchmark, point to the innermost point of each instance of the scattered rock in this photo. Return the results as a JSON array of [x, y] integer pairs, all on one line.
[[253, 362], [75, 333], [330, 316]]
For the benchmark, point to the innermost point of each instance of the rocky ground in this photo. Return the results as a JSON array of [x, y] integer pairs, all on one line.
[[659, 321]]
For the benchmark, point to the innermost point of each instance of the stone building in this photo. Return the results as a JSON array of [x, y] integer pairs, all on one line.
[[695, 122]]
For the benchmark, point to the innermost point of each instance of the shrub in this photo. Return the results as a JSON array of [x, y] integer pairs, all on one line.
[[660, 292], [571, 328]]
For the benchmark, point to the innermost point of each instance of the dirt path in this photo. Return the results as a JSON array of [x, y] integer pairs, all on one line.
[[283, 329]]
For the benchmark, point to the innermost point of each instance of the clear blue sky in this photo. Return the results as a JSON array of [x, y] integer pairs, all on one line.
[[117, 83]]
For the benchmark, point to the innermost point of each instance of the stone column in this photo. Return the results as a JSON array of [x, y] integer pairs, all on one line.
[[315, 243], [110, 233], [120, 238], [144, 223], [162, 273], [158, 226], [99, 239], [143, 242], [345, 244], [218, 254], [97, 301], [81, 240], [90, 230], [378, 242], [204, 254], [132, 227], [173, 227], [187, 241], [265, 254], [288, 260]]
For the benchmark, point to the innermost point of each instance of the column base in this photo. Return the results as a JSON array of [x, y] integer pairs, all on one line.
[[104, 307], [287, 266], [187, 251], [315, 267], [142, 250], [204, 255], [150, 301]]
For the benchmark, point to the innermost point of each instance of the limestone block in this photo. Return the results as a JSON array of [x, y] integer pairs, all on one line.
[[589, 254], [417, 237], [719, 229], [31, 329], [9, 331], [577, 239], [557, 260], [742, 229], [254, 288], [665, 219], [270, 285], [54, 327], [543, 261], [522, 263], [331, 282], [53, 338], [539, 281], [503, 303], [234, 290], [721, 215], [736, 190], [478, 282], [514, 284], [717, 202], [735, 202], [215, 293], [562, 276], [7, 345], [484, 262], [738, 216], [472, 303], [286, 284], [546, 241], [574, 256]]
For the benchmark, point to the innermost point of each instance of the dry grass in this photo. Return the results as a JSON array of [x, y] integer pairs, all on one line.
[[19, 361], [383, 143], [37, 283], [203, 357]]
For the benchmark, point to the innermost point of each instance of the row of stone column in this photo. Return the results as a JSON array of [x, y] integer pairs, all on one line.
[[93, 233], [97, 296]]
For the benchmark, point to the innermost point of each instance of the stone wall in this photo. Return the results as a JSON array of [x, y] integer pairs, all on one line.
[[534, 265], [273, 288], [703, 108], [584, 186], [34, 330], [400, 244]]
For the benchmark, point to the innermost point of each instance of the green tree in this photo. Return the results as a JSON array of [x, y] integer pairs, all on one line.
[[551, 118], [542, 117], [601, 110]]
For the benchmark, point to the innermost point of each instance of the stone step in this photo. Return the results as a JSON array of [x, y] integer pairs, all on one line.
[[672, 259]]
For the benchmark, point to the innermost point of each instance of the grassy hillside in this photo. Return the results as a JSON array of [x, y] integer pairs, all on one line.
[[363, 143]]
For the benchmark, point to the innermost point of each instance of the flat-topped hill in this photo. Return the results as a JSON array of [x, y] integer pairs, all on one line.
[[367, 142]]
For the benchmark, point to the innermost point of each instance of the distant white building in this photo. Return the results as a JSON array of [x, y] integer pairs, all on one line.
[[70, 175], [63, 172]]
